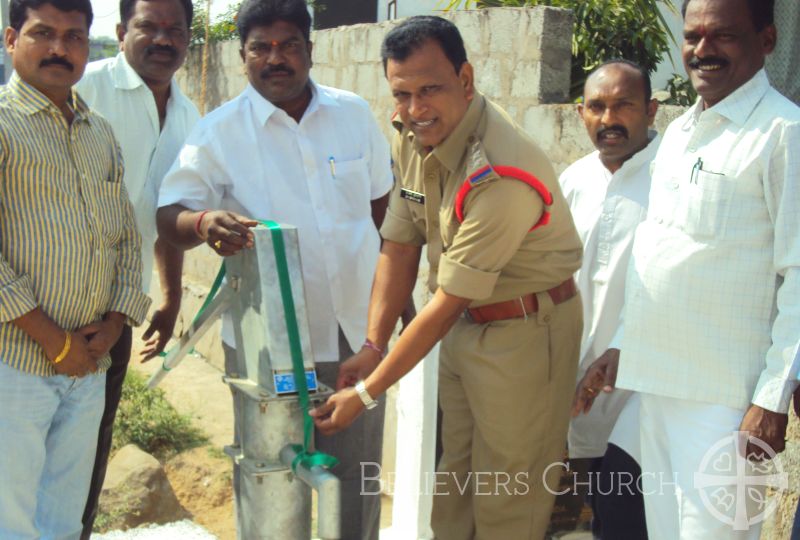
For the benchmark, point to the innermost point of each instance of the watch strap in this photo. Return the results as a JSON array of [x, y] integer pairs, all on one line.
[[366, 399]]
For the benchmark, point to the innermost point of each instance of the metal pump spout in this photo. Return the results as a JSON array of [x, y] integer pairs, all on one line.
[[329, 503]]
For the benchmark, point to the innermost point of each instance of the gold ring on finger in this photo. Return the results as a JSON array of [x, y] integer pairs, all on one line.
[[218, 244]]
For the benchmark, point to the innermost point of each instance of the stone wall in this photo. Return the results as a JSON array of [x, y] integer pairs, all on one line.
[[521, 59]]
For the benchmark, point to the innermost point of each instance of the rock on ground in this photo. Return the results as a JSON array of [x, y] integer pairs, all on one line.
[[136, 491]]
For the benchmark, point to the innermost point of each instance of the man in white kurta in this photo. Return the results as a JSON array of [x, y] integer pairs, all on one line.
[[289, 150], [607, 192], [712, 314], [116, 91]]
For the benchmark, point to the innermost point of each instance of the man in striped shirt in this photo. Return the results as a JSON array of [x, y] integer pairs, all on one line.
[[70, 270]]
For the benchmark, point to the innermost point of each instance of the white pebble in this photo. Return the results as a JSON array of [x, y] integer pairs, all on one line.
[[182, 530]]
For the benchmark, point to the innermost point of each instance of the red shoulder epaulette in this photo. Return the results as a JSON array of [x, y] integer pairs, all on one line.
[[506, 172]]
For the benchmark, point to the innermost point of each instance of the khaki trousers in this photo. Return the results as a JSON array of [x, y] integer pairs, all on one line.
[[505, 389]]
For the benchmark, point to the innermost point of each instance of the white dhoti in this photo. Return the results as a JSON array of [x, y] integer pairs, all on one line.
[[695, 484]]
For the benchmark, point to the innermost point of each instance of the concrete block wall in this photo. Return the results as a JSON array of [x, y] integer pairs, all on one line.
[[521, 59]]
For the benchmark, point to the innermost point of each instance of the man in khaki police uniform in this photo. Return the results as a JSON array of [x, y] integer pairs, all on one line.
[[502, 246]]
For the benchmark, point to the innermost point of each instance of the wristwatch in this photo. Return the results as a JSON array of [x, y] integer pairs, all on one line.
[[366, 399]]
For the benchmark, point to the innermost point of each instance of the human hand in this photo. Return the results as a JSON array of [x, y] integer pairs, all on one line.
[[338, 412], [767, 426], [601, 375], [357, 367], [226, 232], [162, 325], [79, 361], [102, 335]]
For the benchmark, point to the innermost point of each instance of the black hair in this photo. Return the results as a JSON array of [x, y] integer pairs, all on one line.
[[762, 12], [126, 8], [18, 10], [254, 13], [412, 33], [643, 73]]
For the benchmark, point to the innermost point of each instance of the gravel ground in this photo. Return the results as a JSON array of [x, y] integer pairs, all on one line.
[[180, 530]]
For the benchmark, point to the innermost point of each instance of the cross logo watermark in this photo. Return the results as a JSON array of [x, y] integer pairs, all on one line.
[[733, 488]]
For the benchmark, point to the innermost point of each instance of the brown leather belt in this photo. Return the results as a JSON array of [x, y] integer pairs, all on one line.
[[521, 306]]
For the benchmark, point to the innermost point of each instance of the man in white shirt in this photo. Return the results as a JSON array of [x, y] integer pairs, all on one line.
[[607, 192], [293, 151], [136, 92], [712, 299]]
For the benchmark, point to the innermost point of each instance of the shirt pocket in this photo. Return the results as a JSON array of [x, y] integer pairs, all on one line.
[[108, 210], [706, 205], [352, 186]]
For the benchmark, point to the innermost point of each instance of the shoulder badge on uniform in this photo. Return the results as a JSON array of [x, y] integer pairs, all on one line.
[[505, 171], [396, 122]]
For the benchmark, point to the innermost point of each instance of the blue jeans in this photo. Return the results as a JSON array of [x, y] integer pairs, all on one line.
[[48, 438]]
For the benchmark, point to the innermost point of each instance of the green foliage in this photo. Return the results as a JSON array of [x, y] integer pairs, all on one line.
[[223, 27], [111, 519], [604, 29], [146, 419], [681, 92]]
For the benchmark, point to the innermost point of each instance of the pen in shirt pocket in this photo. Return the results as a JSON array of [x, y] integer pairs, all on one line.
[[698, 166], [332, 163]]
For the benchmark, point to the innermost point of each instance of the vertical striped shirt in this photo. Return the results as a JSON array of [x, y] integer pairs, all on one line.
[[68, 240]]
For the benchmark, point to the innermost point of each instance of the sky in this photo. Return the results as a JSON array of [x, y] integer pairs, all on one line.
[[106, 15]]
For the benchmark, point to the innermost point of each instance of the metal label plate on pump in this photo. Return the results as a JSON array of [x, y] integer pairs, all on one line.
[[284, 382]]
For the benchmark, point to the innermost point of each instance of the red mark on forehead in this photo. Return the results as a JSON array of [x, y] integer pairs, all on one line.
[[702, 30], [274, 43]]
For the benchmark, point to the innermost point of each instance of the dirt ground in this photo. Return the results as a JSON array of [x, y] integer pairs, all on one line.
[[201, 479]]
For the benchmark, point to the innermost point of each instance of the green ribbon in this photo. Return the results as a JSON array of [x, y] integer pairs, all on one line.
[[209, 298], [304, 456]]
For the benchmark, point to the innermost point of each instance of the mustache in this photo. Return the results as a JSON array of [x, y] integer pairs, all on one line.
[[57, 61], [695, 62], [166, 49], [616, 128], [272, 70]]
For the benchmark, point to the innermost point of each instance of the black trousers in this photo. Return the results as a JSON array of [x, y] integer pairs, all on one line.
[[618, 503], [120, 355]]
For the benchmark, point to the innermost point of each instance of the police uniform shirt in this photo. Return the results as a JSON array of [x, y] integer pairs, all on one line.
[[517, 234]]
